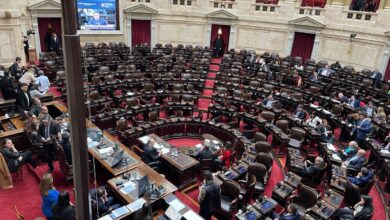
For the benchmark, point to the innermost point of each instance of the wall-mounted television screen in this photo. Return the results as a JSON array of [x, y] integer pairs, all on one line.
[[97, 15]]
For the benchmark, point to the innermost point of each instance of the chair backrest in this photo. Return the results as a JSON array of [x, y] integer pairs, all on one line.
[[352, 194], [131, 102], [265, 159], [262, 146], [307, 197], [297, 133], [206, 164], [231, 189], [153, 116], [121, 124], [283, 125], [268, 116], [258, 136], [64, 166], [258, 170], [337, 110], [367, 187]]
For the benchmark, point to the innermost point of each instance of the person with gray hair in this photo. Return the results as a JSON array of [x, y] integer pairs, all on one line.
[[312, 169], [34, 93], [43, 82]]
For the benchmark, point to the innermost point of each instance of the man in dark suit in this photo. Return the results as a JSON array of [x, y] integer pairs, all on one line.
[[23, 100], [363, 177], [300, 113], [66, 145], [357, 161], [314, 77], [268, 102], [354, 103], [151, 155], [55, 43], [105, 203], [46, 130], [376, 76], [7, 87], [362, 129], [326, 132], [359, 212], [343, 98], [291, 213], [209, 197], [312, 169], [16, 69], [205, 154], [15, 158]]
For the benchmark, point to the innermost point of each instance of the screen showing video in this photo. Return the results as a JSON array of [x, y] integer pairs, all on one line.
[[97, 15]]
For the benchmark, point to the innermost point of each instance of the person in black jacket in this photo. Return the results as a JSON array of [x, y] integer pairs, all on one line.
[[7, 87], [46, 130], [209, 197], [63, 210], [359, 212], [312, 169], [23, 100], [151, 155], [143, 213], [205, 154], [14, 158], [105, 203], [66, 145], [16, 70]]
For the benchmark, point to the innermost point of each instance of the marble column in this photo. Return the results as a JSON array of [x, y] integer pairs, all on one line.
[[315, 46], [385, 59], [386, 5]]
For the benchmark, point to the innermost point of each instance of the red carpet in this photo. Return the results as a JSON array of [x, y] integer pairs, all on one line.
[[54, 90], [209, 83], [185, 142], [208, 92], [203, 103], [212, 75], [214, 67]]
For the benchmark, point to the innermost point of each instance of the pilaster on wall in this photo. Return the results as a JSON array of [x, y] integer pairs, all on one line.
[[315, 46], [386, 5], [338, 2], [11, 37]]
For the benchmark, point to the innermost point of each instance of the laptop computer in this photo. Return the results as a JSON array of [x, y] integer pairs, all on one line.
[[115, 159]]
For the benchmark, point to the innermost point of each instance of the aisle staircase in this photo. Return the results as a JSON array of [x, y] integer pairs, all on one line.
[[205, 98]]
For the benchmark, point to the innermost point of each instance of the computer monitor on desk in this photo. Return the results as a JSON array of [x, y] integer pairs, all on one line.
[[116, 158], [143, 185]]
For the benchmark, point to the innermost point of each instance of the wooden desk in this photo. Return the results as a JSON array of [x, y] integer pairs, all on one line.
[[119, 170], [323, 210], [281, 191], [333, 198], [143, 170], [338, 184], [292, 179]]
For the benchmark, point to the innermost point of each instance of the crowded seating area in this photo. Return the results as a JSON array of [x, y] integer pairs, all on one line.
[[173, 132]]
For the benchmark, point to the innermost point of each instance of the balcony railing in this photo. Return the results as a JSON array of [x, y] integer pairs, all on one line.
[[223, 3], [360, 16], [259, 7], [311, 11], [146, 1]]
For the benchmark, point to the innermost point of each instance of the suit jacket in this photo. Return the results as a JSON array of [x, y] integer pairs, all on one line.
[[15, 70], [150, 154], [377, 76], [7, 88], [367, 210], [205, 154], [209, 199], [67, 213], [53, 130], [11, 158], [361, 181], [355, 104], [300, 114], [22, 104], [356, 163], [312, 169], [365, 126], [68, 150], [344, 99]]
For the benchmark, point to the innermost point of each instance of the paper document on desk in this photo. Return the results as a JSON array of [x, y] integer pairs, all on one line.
[[172, 214], [105, 150], [330, 147], [191, 215], [177, 205], [136, 205], [144, 139], [128, 187], [336, 157], [119, 212], [165, 150], [93, 144], [130, 93], [106, 217], [157, 146]]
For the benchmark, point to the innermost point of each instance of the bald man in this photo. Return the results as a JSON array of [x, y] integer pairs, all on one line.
[[44, 113], [357, 161]]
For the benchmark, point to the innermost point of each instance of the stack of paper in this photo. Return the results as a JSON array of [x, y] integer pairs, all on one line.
[[144, 139], [165, 150], [105, 150], [136, 205], [106, 217], [177, 205], [191, 215], [128, 187], [119, 212]]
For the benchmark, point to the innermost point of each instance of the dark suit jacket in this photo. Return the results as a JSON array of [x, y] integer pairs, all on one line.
[[52, 127], [14, 70], [361, 181], [211, 200], [11, 158], [7, 88], [205, 154], [344, 99], [68, 213], [356, 104], [300, 114], [364, 129], [363, 213], [357, 163], [150, 154], [68, 150], [312, 169], [21, 102], [378, 75]]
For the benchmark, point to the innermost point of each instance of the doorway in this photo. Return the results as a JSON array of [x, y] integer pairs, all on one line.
[[140, 32], [303, 45], [387, 74], [225, 34], [46, 27]]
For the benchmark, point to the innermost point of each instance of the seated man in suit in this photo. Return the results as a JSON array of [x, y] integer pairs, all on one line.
[[343, 98], [151, 154], [314, 77], [14, 158], [357, 161], [349, 151], [325, 71], [299, 113], [268, 102], [205, 154], [326, 132], [364, 176], [7, 87], [105, 203], [16, 69], [290, 214], [354, 103], [376, 76], [312, 169], [66, 145], [23, 100], [359, 211]]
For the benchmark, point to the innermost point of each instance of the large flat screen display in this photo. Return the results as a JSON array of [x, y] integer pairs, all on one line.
[[98, 15]]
